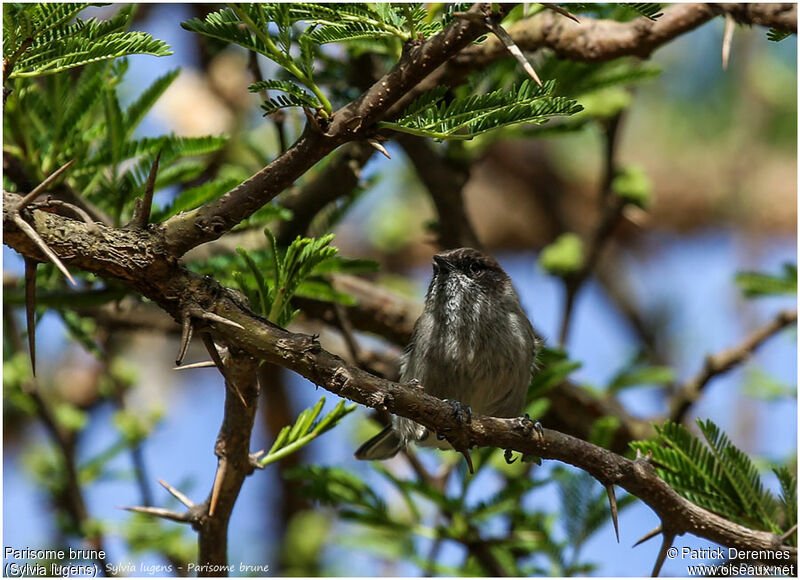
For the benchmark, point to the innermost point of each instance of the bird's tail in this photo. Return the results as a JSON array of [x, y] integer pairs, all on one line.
[[384, 445]]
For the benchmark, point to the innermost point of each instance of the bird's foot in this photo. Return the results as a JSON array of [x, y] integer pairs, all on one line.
[[414, 383], [527, 422], [461, 412]]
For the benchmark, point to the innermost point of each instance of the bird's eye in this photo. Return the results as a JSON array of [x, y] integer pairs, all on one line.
[[474, 268]]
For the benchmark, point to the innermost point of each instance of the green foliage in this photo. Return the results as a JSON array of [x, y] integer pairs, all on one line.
[[632, 185], [271, 277], [776, 35], [345, 22], [622, 12], [48, 38], [651, 11], [717, 475], [305, 429], [787, 500], [145, 533], [335, 486], [553, 368], [82, 330], [464, 118], [757, 284], [603, 430], [16, 373], [81, 118], [194, 197], [638, 372], [761, 385], [251, 26], [69, 417], [564, 256], [304, 543], [424, 510], [295, 96], [136, 426], [575, 79]]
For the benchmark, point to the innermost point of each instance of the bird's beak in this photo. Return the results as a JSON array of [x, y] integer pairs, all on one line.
[[441, 263]]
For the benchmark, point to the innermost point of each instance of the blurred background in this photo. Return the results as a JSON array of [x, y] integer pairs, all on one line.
[[719, 149]]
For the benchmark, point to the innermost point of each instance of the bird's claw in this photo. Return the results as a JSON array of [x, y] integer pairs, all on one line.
[[537, 427], [462, 412]]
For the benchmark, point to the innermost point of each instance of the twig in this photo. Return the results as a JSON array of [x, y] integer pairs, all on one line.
[[610, 213], [346, 329], [233, 450], [278, 117], [336, 180], [30, 309], [39, 189], [78, 211], [722, 362], [351, 123], [445, 180]]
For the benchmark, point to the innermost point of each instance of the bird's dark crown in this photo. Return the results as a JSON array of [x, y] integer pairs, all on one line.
[[469, 261]]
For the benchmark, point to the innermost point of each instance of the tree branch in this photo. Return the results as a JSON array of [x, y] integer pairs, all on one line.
[[337, 179], [444, 180], [169, 284], [351, 123], [722, 362], [233, 452]]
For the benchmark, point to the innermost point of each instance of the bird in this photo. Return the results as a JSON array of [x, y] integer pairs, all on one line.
[[472, 345]]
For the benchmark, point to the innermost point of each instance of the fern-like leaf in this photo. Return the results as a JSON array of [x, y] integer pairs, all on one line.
[[305, 429], [139, 108], [195, 197], [776, 35], [757, 284], [349, 31], [55, 43], [651, 11], [295, 96], [717, 476], [465, 118]]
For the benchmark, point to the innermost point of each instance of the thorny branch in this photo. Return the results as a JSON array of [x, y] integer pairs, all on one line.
[[146, 261], [610, 213], [167, 283], [444, 180], [351, 123], [722, 362]]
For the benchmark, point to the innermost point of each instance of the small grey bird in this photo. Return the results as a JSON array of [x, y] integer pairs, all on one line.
[[472, 344]]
